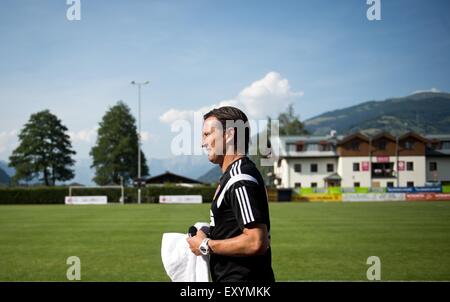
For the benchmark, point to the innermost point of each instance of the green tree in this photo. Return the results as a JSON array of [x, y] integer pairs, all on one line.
[[115, 153], [290, 124], [44, 150]]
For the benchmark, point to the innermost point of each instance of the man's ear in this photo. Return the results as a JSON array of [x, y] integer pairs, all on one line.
[[229, 135]]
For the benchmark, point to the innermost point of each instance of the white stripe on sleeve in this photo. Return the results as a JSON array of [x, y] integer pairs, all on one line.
[[244, 218], [243, 205], [247, 202]]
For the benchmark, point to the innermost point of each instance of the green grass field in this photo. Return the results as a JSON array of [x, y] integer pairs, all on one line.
[[310, 241]]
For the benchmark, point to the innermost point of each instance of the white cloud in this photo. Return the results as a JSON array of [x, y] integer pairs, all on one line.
[[8, 140], [90, 136], [147, 136], [261, 98], [84, 135], [266, 96], [434, 90], [173, 114]]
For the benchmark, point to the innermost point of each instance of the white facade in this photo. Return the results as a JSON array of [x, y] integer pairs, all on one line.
[[312, 154], [442, 172], [350, 177], [412, 171], [307, 177], [417, 175], [363, 177]]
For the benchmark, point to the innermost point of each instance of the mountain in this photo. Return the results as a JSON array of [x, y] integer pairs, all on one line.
[[426, 112], [7, 169], [5, 173], [83, 172], [186, 165], [191, 166], [212, 175], [4, 177]]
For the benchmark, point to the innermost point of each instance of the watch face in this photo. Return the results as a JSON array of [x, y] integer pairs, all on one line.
[[204, 248]]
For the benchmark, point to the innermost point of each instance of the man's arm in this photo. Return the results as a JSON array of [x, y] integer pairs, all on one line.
[[254, 240]]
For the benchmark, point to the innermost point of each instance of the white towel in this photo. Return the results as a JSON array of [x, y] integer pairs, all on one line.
[[180, 263]]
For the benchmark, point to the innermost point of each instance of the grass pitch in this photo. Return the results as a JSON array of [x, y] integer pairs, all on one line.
[[310, 241]]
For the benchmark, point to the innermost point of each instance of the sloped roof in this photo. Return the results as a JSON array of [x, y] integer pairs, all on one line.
[[171, 177], [333, 176]]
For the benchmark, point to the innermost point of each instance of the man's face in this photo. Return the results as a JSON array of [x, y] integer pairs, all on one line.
[[213, 139]]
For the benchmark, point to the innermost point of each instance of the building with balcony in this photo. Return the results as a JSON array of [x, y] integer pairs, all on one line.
[[358, 160]]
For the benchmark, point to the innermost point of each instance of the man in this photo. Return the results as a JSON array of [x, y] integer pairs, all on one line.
[[239, 242]]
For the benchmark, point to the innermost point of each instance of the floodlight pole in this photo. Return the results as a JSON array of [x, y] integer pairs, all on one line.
[[122, 195], [139, 135]]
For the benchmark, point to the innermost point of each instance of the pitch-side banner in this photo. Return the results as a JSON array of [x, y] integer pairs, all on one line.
[[180, 199], [349, 197], [437, 189], [79, 200], [428, 196], [319, 197]]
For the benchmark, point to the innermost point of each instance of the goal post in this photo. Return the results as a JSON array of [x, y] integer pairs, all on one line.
[[121, 187]]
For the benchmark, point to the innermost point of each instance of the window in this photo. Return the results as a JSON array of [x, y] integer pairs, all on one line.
[[298, 185], [313, 167], [390, 184], [326, 147], [330, 167], [312, 147], [299, 147], [433, 166], [355, 167], [382, 145], [409, 166], [410, 184], [291, 147], [314, 185], [445, 145], [298, 168], [355, 146], [383, 170], [356, 184], [409, 145]]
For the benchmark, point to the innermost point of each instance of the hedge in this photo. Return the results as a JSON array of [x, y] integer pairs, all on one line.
[[306, 191], [33, 195], [362, 190], [334, 190], [56, 195]]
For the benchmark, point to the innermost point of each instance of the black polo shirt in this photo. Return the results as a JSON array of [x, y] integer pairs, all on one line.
[[240, 200]]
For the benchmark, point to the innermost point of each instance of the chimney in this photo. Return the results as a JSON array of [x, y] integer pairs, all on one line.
[[333, 133]]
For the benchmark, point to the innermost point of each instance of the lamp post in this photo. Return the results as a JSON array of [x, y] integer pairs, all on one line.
[[139, 84]]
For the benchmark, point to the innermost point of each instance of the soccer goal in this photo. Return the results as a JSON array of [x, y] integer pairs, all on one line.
[[122, 191]]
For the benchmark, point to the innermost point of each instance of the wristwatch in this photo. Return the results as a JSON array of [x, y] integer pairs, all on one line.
[[204, 248]]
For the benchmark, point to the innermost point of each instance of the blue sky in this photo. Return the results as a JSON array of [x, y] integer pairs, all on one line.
[[320, 55]]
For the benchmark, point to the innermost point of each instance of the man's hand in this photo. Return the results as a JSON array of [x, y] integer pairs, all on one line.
[[194, 242]]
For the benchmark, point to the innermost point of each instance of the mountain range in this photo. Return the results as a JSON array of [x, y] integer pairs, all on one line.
[[5, 173], [4, 177], [189, 166], [424, 113]]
